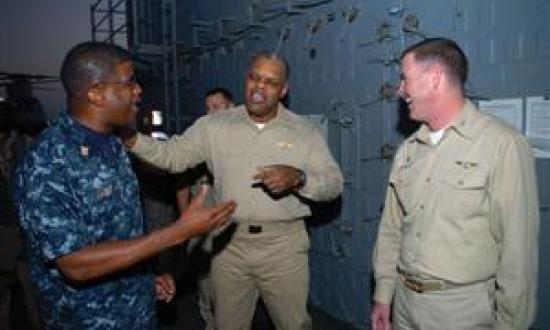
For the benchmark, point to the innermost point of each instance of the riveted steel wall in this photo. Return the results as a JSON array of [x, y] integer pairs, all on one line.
[[343, 62]]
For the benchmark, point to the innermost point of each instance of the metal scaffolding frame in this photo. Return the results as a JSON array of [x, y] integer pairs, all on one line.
[[108, 21], [147, 18], [134, 23]]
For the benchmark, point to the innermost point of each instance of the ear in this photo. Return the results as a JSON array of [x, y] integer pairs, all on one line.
[[283, 91], [437, 77], [95, 96]]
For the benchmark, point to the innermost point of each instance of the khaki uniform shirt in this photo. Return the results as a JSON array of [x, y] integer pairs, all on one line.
[[233, 147], [464, 210]]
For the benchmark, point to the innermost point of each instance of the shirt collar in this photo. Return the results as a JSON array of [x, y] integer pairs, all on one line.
[[463, 124], [283, 117], [85, 136]]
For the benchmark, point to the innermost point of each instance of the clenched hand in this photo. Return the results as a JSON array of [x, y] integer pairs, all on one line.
[[278, 178]]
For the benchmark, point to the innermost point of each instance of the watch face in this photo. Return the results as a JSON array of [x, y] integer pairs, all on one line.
[[302, 177]]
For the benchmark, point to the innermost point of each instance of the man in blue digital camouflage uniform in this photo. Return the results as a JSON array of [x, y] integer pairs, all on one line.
[[78, 202]]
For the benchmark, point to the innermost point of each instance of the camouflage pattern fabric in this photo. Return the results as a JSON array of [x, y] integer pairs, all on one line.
[[74, 188]]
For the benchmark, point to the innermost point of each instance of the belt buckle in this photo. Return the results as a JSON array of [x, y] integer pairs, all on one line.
[[252, 229], [413, 285]]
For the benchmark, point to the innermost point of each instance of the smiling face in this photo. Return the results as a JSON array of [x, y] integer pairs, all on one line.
[[416, 88], [265, 85]]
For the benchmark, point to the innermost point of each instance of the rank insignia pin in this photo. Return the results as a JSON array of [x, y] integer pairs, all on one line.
[[84, 150], [285, 145]]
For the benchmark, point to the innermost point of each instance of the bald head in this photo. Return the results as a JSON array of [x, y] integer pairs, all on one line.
[[264, 55]]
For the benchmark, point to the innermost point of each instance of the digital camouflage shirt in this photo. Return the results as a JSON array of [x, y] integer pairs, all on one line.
[[75, 188]]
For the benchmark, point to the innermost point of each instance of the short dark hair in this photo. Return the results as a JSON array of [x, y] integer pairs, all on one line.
[[271, 56], [445, 52], [88, 63], [220, 90]]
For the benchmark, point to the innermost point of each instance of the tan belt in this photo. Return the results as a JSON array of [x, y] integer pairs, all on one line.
[[420, 286]]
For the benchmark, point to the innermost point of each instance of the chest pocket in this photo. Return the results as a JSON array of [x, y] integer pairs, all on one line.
[[465, 189], [290, 153], [98, 186]]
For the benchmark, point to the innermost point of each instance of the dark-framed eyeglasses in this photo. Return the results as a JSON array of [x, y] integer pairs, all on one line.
[[132, 82]]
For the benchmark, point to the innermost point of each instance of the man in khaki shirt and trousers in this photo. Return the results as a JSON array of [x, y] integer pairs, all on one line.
[[457, 246], [268, 160]]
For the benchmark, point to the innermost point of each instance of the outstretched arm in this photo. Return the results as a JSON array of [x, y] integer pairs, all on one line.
[[95, 261]]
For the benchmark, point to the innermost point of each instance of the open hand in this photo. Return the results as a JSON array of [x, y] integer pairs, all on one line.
[[199, 219]]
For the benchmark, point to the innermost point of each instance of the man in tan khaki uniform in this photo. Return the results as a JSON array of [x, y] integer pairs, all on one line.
[[457, 244], [269, 160]]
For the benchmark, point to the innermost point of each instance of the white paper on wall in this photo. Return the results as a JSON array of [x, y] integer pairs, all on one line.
[[508, 110], [537, 125]]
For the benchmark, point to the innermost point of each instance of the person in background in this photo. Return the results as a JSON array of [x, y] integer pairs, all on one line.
[[200, 248], [457, 246], [158, 200], [217, 99], [18, 308], [158, 197], [271, 161], [78, 204]]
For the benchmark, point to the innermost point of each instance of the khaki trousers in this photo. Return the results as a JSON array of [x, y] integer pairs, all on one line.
[[272, 264], [469, 307], [206, 301]]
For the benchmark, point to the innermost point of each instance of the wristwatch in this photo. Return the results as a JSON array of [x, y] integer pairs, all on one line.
[[302, 178]]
